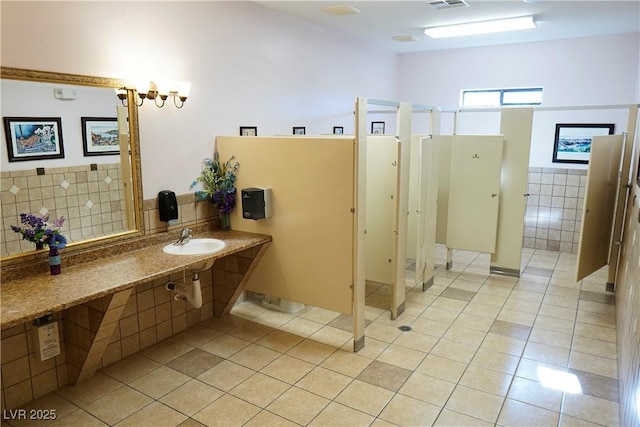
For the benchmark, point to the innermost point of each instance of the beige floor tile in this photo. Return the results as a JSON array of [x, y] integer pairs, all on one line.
[[594, 364], [191, 397], [416, 341], [167, 350], [288, 369], [250, 331], [365, 397], [522, 305], [491, 300], [118, 404], [516, 413], [503, 344], [196, 336], [382, 332], [43, 405], [332, 336], [482, 310], [558, 312], [384, 375], [521, 294], [155, 414], [430, 327], [225, 375], [225, 345], [546, 353], [259, 389], [297, 405], [486, 380], [596, 332], [439, 314], [320, 315], [324, 382], [402, 356], [454, 350], [515, 316], [427, 388], [312, 351], [443, 368], [279, 341], [592, 409], [449, 418], [159, 382], [478, 323], [371, 350], [501, 362], [554, 324], [595, 347], [534, 393], [226, 411], [90, 390], [569, 421], [77, 418], [267, 419], [464, 335], [301, 327], [552, 338], [194, 362], [475, 403], [336, 414], [131, 368], [254, 357], [449, 304], [347, 363], [533, 369], [406, 411], [273, 319], [605, 320]]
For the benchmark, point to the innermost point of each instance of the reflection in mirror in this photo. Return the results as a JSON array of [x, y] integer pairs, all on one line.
[[82, 169]]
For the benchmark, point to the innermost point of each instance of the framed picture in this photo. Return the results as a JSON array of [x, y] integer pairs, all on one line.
[[100, 136], [248, 131], [338, 130], [377, 128], [573, 141], [299, 130], [33, 138]]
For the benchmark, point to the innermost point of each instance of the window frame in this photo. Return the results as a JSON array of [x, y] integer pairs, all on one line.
[[502, 92]]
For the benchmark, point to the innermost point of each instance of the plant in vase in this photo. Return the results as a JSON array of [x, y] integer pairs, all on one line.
[[41, 232], [218, 183]]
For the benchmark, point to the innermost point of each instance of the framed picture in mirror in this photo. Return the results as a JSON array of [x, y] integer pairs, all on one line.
[[377, 128], [299, 130], [33, 138], [100, 136], [338, 130], [248, 131]]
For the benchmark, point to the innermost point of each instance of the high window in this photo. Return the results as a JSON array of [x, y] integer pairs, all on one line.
[[501, 97]]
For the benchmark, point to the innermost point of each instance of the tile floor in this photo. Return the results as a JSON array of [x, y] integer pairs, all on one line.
[[482, 350]]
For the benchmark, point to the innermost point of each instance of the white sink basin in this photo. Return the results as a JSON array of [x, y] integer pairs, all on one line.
[[195, 247]]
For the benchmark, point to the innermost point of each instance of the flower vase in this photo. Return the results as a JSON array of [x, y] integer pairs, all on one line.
[[39, 245], [225, 221], [54, 261]]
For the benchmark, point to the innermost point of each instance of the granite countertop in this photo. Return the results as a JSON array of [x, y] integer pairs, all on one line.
[[28, 298]]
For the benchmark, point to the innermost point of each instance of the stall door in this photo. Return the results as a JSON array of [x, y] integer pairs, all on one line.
[[474, 192], [599, 204]]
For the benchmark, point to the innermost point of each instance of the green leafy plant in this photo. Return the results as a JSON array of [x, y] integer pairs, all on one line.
[[218, 183]]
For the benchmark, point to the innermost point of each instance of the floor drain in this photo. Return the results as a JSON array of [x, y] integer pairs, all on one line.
[[404, 328]]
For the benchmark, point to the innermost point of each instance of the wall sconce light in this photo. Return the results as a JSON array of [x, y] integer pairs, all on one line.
[[158, 92]]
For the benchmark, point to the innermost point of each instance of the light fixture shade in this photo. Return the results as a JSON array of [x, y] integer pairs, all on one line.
[[142, 87], [482, 27], [183, 89], [164, 87]]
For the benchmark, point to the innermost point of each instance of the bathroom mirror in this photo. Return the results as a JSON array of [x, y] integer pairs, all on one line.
[[93, 178]]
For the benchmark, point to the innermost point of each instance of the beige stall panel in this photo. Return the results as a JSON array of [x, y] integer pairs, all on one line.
[[474, 192], [442, 150], [414, 197], [382, 179], [310, 259], [599, 204]]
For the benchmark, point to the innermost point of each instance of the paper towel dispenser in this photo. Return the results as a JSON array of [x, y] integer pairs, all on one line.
[[256, 203]]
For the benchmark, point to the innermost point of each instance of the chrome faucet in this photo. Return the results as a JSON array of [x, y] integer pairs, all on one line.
[[185, 236]]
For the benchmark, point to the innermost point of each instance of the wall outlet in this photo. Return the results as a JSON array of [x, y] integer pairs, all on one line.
[[47, 340]]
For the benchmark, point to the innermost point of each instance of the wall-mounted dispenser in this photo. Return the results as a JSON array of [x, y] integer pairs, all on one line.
[[256, 203], [167, 205]]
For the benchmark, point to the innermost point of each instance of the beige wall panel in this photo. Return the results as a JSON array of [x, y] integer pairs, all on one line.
[[442, 148], [312, 179], [382, 178], [474, 192], [516, 128], [599, 204]]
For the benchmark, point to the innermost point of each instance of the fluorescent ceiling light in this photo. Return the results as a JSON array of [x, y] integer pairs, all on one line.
[[482, 27]]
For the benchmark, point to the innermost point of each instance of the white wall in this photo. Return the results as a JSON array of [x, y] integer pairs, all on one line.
[[573, 72], [248, 66]]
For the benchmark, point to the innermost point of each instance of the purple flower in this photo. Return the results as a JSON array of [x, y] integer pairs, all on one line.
[[38, 230]]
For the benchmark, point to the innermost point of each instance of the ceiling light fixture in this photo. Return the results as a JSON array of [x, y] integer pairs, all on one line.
[[482, 27], [404, 39]]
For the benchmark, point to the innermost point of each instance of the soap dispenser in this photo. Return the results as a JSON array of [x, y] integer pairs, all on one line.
[[167, 205]]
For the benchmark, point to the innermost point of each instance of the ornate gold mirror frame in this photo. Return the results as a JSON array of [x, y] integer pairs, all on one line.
[[134, 158]]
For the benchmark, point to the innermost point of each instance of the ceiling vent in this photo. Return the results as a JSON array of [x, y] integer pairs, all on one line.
[[404, 39], [447, 4], [340, 10]]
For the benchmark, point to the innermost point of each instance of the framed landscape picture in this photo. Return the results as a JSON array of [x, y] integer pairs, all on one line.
[[572, 142], [248, 131], [100, 136], [299, 130], [33, 138], [377, 128]]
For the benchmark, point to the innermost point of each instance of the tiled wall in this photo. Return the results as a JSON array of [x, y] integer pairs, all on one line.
[[90, 200], [554, 209], [628, 318]]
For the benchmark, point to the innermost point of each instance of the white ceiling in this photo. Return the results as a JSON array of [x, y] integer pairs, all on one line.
[[378, 21]]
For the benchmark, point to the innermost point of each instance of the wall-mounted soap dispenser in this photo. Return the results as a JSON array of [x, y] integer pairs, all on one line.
[[167, 205], [256, 203]]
